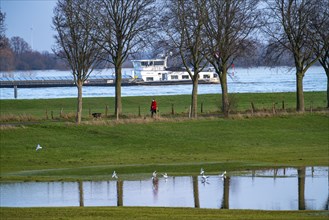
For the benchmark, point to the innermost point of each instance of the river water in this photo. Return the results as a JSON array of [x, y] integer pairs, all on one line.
[[275, 189], [241, 80]]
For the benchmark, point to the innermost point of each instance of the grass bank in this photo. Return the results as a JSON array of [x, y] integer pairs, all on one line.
[[169, 106], [135, 150], [155, 213]]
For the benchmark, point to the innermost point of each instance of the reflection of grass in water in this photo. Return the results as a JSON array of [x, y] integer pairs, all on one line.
[[178, 148]]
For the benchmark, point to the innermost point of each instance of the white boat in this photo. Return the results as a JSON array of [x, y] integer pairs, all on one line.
[[157, 71]]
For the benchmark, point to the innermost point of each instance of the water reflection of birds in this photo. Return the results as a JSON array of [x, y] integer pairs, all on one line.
[[114, 175], [38, 147], [204, 179]]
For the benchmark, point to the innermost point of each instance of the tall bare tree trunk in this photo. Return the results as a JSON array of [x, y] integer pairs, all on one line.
[[79, 105], [300, 93], [194, 109], [118, 80], [225, 100], [327, 89]]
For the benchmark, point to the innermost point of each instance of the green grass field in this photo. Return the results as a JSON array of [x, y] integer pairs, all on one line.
[[31, 110], [126, 213], [136, 146]]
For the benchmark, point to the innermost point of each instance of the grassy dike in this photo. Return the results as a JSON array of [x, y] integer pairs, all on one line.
[[41, 109], [135, 150], [135, 147]]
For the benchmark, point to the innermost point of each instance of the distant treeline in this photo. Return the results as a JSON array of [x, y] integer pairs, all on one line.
[[16, 54]]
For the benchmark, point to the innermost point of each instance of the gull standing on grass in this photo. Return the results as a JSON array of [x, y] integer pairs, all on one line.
[[114, 175], [38, 147], [202, 171]]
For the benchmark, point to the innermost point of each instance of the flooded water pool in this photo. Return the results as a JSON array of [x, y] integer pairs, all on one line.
[[277, 189]]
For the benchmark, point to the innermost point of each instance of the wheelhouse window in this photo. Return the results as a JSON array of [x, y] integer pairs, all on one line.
[[174, 77], [206, 76], [185, 77], [158, 63], [149, 78]]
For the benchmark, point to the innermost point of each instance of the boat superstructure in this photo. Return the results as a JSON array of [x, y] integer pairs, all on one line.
[[156, 70]]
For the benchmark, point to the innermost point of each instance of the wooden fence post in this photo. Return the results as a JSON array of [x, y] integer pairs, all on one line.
[[190, 111], [283, 107], [201, 107], [252, 107], [172, 109], [106, 110]]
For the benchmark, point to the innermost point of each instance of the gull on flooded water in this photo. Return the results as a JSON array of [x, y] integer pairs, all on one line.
[[165, 175], [154, 175], [223, 175]]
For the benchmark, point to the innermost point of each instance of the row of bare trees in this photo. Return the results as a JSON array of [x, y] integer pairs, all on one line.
[[89, 32], [200, 32]]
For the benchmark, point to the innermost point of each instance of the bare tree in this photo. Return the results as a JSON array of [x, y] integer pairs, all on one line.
[[288, 24], [2, 24], [6, 53], [7, 58], [74, 41], [228, 27], [183, 24], [19, 45], [320, 24], [121, 27]]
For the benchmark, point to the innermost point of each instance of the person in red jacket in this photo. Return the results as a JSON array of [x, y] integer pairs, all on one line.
[[153, 107]]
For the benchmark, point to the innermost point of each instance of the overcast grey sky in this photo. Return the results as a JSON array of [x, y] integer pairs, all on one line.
[[31, 20]]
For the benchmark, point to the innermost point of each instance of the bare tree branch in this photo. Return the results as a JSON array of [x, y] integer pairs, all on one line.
[[229, 25], [121, 26], [74, 42], [289, 26]]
